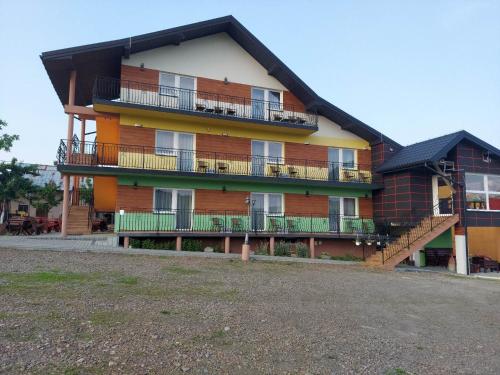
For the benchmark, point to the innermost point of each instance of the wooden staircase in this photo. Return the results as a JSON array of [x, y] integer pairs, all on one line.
[[78, 220], [412, 240]]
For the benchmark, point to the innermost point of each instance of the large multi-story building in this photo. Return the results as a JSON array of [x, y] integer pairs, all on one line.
[[201, 131]]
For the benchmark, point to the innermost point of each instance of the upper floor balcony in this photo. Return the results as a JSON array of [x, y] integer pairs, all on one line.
[[130, 94], [174, 161]]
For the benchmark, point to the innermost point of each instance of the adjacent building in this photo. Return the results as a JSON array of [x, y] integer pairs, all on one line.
[[202, 132]]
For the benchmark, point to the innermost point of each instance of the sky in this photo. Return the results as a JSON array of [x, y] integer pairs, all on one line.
[[411, 69]]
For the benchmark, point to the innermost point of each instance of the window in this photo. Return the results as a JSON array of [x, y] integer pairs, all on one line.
[[171, 84], [259, 99], [349, 206], [167, 142], [270, 203], [345, 157], [482, 192], [163, 200], [168, 200], [23, 208]]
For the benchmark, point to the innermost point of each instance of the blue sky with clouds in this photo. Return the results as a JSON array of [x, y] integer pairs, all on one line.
[[411, 69]]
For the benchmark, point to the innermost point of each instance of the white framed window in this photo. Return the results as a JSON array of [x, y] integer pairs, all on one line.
[[169, 142], [166, 200], [172, 84], [270, 203], [343, 206], [344, 157], [482, 192], [271, 152]]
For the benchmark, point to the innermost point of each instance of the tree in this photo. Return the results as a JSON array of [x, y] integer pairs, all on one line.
[[46, 197], [6, 140], [14, 184]]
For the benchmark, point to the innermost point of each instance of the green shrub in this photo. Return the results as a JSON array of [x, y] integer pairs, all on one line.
[[165, 245], [192, 245], [135, 243], [148, 244], [262, 248], [348, 257], [283, 249], [302, 250]]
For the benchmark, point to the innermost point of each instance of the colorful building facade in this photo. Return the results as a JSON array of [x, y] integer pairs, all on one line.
[[202, 132]]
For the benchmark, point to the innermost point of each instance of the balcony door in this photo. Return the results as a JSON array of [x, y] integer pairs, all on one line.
[[178, 145], [177, 91], [341, 214], [186, 93], [263, 153], [264, 100], [266, 206], [175, 203], [339, 158]]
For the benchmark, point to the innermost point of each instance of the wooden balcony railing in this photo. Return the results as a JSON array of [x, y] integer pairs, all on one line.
[[201, 102], [208, 162]]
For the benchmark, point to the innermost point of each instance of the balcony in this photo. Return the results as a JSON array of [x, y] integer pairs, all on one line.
[[234, 223], [208, 164], [207, 104]]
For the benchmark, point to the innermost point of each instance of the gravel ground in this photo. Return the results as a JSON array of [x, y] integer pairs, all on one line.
[[83, 313]]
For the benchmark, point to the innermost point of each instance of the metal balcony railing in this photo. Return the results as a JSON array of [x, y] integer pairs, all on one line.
[[259, 222], [208, 162], [201, 102]]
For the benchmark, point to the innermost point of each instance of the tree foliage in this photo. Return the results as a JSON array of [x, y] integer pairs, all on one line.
[[6, 140], [14, 182], [46, 197]]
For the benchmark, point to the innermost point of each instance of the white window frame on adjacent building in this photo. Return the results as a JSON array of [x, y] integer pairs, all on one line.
[[341, 156], [486, 191]]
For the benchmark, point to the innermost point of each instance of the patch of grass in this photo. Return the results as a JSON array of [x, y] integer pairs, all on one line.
[[128, 280], [44, 277], [108, 318], [181, 270], [348, 258], [165, 312]]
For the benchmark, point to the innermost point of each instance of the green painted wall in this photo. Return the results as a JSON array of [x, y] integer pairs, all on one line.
[[192, 183], [441, 242]]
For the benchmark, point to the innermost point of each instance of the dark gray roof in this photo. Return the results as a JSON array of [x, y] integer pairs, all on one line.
[[104, 59], [431, 150]]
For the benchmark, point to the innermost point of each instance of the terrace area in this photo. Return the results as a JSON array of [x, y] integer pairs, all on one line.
[[238, 223], [208, 163], [201, 103]]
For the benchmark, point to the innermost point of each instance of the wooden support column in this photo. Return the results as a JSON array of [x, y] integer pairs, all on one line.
[[69, 139], [178, 243], [126, 242], [311, 247], [227, 244], [76, 179], [271, 246], [65, 208]]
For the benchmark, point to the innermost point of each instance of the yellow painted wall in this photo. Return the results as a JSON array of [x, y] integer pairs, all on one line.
[[105, 189], [233, 128], [246, 131], [484, 241]]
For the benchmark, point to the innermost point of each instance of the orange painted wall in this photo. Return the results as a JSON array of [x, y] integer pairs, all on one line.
[[484, 241], [107, 130], [105, 193]]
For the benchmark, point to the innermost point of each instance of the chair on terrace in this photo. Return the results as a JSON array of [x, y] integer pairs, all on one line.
[[236, 224], [275, 225], [216, 225]]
